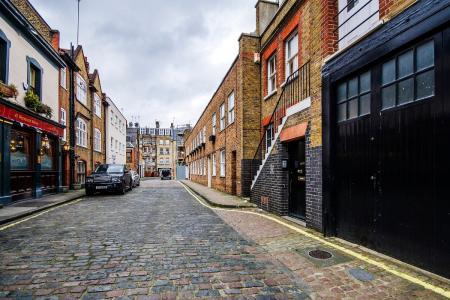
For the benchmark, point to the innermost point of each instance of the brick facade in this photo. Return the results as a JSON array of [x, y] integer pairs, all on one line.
[[97, 121], [238, 139]]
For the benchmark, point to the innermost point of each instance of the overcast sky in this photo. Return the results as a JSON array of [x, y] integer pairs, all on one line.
[[157, 59]]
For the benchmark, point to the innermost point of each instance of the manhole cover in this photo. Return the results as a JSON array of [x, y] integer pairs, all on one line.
[[320, 254]]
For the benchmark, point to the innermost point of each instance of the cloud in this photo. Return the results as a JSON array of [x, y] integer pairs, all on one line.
[[157, 59]]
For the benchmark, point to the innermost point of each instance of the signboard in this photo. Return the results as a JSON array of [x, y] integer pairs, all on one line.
[[14, 115]]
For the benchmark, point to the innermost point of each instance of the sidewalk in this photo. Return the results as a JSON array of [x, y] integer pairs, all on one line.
[[216, 198], [25, 208]]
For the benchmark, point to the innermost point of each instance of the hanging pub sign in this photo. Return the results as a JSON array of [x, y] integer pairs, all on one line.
[[15, 115]]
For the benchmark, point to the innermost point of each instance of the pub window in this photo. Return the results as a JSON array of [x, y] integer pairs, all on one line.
[[20, 148], [49, 156], [353, 97], [34, 77], [409, 76]]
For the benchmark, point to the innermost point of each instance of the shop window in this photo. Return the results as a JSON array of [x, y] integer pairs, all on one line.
[[408, 77], [34, 77], [81, 172], [20, 149], [354, 97], [49, 155]]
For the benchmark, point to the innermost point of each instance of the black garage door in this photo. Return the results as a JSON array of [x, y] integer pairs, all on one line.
[[392, 150]]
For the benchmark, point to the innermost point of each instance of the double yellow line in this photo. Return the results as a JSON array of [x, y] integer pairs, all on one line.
[[381, 265]]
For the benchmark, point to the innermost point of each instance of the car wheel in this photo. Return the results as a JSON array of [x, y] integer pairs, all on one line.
[[122, 189]]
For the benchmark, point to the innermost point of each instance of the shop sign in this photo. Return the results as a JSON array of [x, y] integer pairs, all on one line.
[[14, 115]]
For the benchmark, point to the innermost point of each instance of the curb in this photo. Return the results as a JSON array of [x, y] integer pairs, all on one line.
[[214, 203], [40, 209]]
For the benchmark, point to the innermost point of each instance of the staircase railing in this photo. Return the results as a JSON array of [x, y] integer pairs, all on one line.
[[296, 88]]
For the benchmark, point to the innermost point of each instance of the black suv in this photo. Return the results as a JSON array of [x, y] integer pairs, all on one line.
[[109, 178]]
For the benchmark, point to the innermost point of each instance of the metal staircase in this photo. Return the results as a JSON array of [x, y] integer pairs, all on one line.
[[296, 88]]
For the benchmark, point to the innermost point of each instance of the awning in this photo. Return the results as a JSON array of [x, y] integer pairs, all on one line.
[[293, 133], [21, 115]]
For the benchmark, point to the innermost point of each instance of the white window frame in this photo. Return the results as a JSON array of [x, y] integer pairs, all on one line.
[[97, 140], [81, 132], [214, 122], [213, 161], [63, 78], [231, 110], [291, 64], [81, 89], [63, 121], [222, 163], [97, 105], [222, 117], [272, 74]]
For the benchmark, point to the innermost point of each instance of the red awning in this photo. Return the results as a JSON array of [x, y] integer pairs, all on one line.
[[266, 121], [32, 121], [293, 133]]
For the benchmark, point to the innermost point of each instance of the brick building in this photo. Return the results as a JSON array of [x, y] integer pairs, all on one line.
[[385, 129], [220, 146], [98, 120], [287, 174]]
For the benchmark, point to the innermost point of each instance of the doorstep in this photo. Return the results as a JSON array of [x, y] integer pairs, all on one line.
[[20, 209]]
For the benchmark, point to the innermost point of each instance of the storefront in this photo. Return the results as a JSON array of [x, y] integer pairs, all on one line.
[[30, 154]]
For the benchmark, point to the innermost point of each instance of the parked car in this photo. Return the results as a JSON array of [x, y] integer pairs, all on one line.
[[136, 178], [166, 174], [109, 178]]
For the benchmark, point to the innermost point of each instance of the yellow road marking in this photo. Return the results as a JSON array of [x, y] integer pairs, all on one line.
[[426, 285], [37, 215]]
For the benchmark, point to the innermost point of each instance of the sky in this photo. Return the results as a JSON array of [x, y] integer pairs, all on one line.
[[158, 60]]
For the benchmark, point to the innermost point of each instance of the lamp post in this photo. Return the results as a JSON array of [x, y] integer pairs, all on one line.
[[78, 22]]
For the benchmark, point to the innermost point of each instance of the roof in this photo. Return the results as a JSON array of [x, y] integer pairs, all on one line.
[[18, 20]]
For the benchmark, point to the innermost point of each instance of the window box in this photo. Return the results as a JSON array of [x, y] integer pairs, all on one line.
[[8, 91]]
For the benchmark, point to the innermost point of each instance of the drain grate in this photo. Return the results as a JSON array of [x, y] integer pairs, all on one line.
[[320, 254]]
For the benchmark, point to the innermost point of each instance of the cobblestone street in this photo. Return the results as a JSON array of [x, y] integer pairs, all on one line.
[[158, 242]]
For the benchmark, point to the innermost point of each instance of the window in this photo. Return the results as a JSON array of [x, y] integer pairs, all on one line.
[[205, 162], [81, 133], [167, 142], [4, 57], [63, 121], [291, 55], [161, 151], [112, 118], [231, 108], [213, 161], [269, 136], [161, 142], [98, 106], [21, 153], [272, 74], [222, 163], [112, 143], [81, 172], [222, 116], [354, 97], [81, 90], [116, 121], [63, 77], [129, 157], [97, 140], [204, 134], [214, 121], [34, 77], [167, 151], [351, 4], [408, 77]]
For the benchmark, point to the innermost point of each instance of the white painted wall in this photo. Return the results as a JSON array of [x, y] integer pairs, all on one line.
[[356, 18], [119, 134], [18, 69]]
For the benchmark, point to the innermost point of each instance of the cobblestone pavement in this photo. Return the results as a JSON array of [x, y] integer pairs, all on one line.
[[156, 242]]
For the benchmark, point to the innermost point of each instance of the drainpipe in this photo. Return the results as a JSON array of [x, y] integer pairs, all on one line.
[[72, 122]]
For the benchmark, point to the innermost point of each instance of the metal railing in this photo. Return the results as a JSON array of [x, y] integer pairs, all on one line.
[[296, 88]]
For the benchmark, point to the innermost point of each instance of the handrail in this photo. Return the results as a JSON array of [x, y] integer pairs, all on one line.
[[297, 87]]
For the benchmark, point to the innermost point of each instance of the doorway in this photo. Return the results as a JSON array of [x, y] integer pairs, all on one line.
[[209, 171], [297, 179]]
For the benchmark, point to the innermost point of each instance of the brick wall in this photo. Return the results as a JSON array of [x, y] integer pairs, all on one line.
[[97, 122], [391, 8], [239, 139], [34, 18]]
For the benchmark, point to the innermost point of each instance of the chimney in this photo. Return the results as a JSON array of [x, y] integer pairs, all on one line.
[[171, 125], [157, 124], [55, 39], [265, 11]]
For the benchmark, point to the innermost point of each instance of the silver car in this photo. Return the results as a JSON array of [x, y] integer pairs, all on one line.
[[136, 178]]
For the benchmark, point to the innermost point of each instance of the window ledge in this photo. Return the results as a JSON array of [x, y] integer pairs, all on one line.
[[270, 94]]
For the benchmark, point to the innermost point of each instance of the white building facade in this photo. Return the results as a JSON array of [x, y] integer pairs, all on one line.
[[116, 134]]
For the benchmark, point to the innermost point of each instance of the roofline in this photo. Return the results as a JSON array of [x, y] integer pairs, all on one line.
[[217, 90], [114, 104], [12, 13]]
